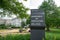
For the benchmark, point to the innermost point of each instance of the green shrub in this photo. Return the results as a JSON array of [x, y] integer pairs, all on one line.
[[16, 37], [2, 26]]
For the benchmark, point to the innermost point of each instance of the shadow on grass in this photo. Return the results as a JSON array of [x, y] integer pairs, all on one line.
[[53, 31]]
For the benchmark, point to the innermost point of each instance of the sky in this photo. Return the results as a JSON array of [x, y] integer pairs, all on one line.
[[57, 2], [34, 4]]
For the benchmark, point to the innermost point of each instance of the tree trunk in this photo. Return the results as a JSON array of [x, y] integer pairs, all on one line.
[[20, 30], [48, 28], [57, 26]]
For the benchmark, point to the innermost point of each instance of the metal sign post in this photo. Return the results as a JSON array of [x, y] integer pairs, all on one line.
[[37, 24]]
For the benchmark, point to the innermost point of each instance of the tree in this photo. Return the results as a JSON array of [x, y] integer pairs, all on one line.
[[28, 20], [58, 17], [49, 8], [13, 7]]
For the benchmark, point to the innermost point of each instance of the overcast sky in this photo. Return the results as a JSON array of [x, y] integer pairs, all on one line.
[[34, 4]]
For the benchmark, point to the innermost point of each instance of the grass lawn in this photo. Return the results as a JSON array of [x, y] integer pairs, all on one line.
[[54, 34]]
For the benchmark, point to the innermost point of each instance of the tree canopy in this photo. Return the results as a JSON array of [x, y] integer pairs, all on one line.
[[52, 13], [13, 7]]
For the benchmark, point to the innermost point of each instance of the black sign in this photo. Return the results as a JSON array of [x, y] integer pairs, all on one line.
[[37, 18]]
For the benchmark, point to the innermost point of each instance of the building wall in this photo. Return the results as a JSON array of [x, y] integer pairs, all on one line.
[[2, 21], [16, 22]]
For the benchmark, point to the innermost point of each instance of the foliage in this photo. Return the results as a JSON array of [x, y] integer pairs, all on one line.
[[51, 13], [3, 26], [13, 7], [28, 20], [23, 24]]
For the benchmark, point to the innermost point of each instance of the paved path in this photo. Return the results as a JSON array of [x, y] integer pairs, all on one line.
[[13, 31]]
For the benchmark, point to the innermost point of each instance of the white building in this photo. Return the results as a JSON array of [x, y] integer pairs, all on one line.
[[16, 22], [2, 21], [11, 21]]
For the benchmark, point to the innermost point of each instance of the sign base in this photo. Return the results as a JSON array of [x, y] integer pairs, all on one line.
[[37, 34]]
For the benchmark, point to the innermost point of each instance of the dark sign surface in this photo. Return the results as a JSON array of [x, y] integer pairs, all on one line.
[[37, 18]]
